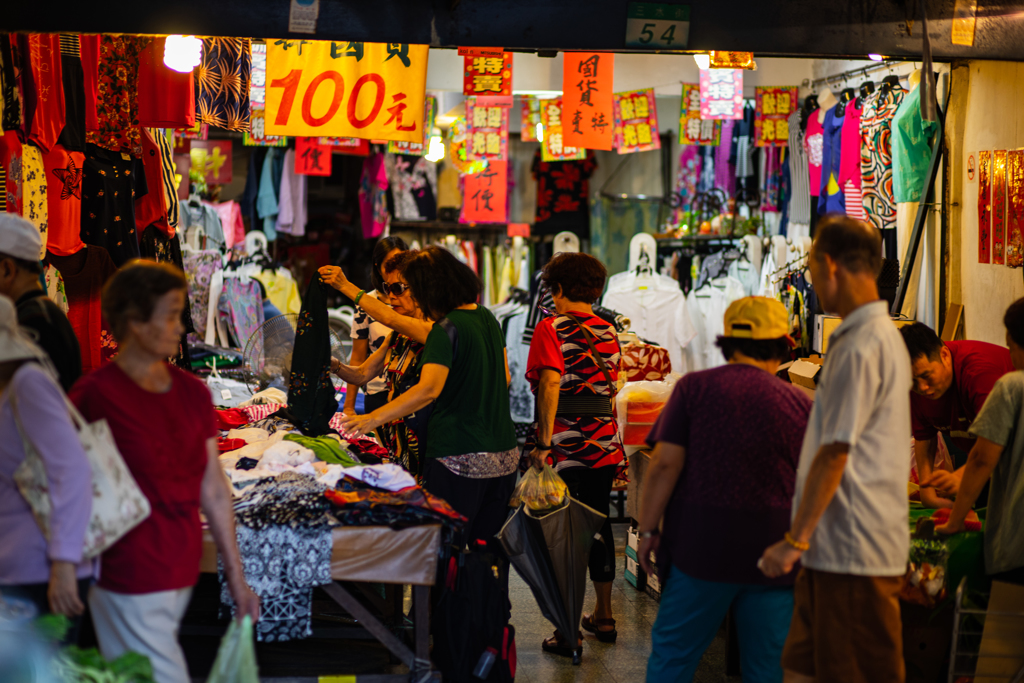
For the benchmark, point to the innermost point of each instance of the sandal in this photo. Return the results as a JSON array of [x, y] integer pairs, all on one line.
[[557, 645], [592, 625]]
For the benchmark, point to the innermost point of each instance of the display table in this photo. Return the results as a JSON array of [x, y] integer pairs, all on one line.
[[376, 554]]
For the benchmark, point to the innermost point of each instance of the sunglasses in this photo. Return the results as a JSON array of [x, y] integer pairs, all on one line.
[[395, 288]]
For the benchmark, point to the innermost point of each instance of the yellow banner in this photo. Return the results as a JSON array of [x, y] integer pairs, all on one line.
[[339, 89]]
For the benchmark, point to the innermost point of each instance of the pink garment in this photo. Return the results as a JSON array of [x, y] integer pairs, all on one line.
[[814, 141], [725, 173], [230, 214], [373, 205], [849, 154], [291, 199]]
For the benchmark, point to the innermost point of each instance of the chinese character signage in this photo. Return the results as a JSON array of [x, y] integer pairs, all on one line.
[[998, 206], [488, 76], [488, 131], [312, 158], [212, 158], [721, 93], [256, 135], [984, 207], [352, 146], [1015, 213], [587, 99], [531, 117], [636, 122], [484, 195], [771, 115], [319, 88], [417, 148], [553, 147], [693, 130]]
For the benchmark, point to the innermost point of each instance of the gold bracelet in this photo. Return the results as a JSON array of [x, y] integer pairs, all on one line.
[[801, 546]]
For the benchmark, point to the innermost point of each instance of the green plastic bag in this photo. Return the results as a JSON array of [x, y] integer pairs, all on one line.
[[236, 658]]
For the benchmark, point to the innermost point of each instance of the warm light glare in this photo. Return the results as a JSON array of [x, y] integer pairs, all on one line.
[[540, 132], [435, 151], [703, 61], [182, 53], [875, 58]]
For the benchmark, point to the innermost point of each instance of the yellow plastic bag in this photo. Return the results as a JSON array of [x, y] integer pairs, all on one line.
[[540, 490]]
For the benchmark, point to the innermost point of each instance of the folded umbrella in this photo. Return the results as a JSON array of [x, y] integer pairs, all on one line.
[[551, 554]]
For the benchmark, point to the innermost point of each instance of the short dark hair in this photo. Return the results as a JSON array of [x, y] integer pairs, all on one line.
[[921, 340], [580, 277], [380, 253], [440, 283], [1014, 321], [34, 267], [758, 349], [130, 295], [851, 243], [398, 262]]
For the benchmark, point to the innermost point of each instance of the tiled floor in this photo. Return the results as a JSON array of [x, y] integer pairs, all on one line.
[[622, 662]]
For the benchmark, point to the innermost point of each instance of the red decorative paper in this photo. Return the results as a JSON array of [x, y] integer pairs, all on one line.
[[771, 117], [721, 93], [312, 158], [636, 122], [488, 131], [1015, 214], [998, 206], [530, 119], [984, 207], [553, 147], [484, 195], [356, 147], [587, 99], [693, 130], [212, 158], [487, 75]]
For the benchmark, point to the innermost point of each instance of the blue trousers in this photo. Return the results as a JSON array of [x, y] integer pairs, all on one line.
[[690, 614]]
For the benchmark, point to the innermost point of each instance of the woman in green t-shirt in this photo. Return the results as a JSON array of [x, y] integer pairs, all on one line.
[[471, 454]]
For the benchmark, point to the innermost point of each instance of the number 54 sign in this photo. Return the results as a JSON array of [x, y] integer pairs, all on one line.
[[322, 88], [656, 25]]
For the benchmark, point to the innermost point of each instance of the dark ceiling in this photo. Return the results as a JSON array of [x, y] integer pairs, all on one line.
[[766, 27]]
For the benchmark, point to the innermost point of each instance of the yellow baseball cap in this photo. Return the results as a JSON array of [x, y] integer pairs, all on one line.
[[757, 317]]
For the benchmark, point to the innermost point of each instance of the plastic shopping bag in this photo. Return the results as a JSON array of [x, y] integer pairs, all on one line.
[[638, 405], [236, 658], [540, 490]]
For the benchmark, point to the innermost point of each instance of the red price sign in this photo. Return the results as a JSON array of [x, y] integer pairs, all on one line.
[[343, 89], [312, 158], [485, 193], [587, 100], [487, 75]]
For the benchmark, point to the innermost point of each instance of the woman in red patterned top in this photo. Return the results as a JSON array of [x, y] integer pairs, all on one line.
[[573, 367]]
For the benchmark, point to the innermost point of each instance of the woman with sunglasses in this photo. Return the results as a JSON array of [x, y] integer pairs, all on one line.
[[368, 334], [396, 359]]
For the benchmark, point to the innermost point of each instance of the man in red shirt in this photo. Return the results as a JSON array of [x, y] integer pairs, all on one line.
[[951, 382]]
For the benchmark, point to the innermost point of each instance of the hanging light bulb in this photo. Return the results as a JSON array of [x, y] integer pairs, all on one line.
[[875, 58], [540, 132], [435, 150], [703, 61], [182, 53]]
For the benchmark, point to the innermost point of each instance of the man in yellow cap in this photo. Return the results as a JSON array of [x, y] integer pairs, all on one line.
[[721, 482]]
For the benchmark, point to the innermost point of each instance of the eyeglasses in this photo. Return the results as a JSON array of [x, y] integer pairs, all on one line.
[[395, 288]]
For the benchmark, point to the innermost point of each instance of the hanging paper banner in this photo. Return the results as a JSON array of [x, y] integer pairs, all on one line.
[[183, 136], [487, 75], [636, 122], [732, 60], [531, 117], [312, 158], [417, 148], [721, 93], [352, 146], [998, 206], [518, 230], [553, 148], [587, 99], [212, 158], [256, 135], [964, 17], [984, 207], [458, 140], [325, 88], [1015, 214], [488, 132], [484, 193], [771, 115], [693, 130]]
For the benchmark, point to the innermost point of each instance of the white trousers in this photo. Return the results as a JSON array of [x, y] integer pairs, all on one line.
[[146, 623]]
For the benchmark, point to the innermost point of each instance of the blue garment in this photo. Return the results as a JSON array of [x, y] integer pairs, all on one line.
[[830, 197], [270, 310], [690, 613], [266, 200]]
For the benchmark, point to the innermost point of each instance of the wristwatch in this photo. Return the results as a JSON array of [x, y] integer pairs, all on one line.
[[650, 534]]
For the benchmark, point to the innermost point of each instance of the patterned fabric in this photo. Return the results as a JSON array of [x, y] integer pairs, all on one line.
[[876, 156], [55, 288], [483, 465], [644, 363], [111, 182], [686, 181], [34, 206], [241, 309], [590, 441], [562, 195], [222, 83], [167, 172], [311, 402], [373, 205], [365, 327], [854, 201], [413, 182], [404, 448], [117, 108], [199, 268], [10, 83]]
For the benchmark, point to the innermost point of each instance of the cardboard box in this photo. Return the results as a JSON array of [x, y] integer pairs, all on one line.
[[804, 374], [633, 540], [825, 325], [635, 576]]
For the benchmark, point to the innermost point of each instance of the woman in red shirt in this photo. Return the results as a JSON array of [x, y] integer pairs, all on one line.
[[163, 422]]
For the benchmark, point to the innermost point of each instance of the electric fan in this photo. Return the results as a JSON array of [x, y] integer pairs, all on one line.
[[267, 361]]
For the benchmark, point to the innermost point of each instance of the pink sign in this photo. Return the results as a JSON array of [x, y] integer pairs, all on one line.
[[721, 93]]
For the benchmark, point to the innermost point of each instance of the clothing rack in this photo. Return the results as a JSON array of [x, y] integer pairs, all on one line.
[[847, 75], [786, 269]]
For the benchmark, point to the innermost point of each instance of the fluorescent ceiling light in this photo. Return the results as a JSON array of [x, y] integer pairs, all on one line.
[[875, 58], [703, 61]]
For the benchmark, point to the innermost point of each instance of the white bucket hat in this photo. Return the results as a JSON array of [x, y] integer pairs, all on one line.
[[14, 343]]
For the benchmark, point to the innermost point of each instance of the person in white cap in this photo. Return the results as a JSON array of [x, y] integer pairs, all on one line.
[[48, 572], [20, 246]]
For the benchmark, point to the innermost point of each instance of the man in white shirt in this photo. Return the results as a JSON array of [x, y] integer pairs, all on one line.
[[850, 525]]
